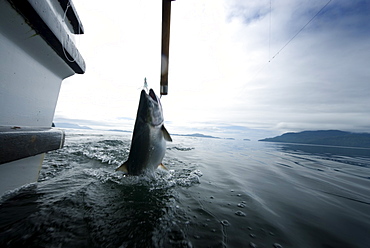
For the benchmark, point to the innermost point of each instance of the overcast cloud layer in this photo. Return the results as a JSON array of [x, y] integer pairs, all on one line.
[[230, 63]]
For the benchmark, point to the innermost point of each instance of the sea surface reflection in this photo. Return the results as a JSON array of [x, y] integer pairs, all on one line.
[[218, 193]]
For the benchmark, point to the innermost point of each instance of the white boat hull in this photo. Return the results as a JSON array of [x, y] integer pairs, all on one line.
[[37, 52]]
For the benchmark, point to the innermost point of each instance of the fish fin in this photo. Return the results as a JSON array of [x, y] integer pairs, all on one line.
[[162, 166], [123, 168], [166, 135]]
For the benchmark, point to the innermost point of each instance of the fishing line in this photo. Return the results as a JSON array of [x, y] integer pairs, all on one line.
[[145, 86], [270, 34], [224, 223], [290, 40], [301, 29]]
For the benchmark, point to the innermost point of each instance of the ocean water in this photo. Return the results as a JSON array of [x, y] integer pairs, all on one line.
[[217, 193]]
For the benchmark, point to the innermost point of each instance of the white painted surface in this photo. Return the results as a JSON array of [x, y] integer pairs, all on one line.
[[21, 172], [31, 74]]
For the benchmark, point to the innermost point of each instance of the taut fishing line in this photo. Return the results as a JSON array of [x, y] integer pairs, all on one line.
[[290, 40], [300, 29]]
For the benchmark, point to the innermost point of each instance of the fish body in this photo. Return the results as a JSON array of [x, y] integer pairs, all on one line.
[[148, 144]]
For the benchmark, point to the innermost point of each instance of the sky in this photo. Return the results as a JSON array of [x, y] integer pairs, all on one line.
[[257, 68]]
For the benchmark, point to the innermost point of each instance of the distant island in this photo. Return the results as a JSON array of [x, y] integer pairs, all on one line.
[[198, 135], [325, 137], [119, 130], [70, 125]]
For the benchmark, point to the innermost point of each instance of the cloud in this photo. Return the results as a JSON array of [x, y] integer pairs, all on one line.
[[319, 78], [248, 11], [219, 69]]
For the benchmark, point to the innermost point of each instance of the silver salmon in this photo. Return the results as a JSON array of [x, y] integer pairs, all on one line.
[[148, 144]]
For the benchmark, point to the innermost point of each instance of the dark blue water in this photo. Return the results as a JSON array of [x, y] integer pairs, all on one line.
[[217, 193]]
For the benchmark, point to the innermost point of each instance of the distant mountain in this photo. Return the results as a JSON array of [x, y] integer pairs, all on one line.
[[325, 137], [199, 135], [119, 130], [70, 125]]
